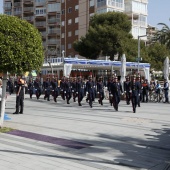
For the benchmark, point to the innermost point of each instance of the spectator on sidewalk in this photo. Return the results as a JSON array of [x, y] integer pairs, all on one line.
[[20, 97], [158, 90], [166, 89], [0, 92]]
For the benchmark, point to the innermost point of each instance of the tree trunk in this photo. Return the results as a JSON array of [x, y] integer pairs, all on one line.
[[3, 100]]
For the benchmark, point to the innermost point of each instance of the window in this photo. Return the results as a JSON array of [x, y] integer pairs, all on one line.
[[76, 20], [40, 11], [69, 46], [91, 14], [91, 3], [8, 13], [76, 7], [69, 21], [69, 34], [62, 47], [8, 5], [69, 10], [62, 23], [62, 35], [76, 32], [62, 1], [63, 12], [54, 7]]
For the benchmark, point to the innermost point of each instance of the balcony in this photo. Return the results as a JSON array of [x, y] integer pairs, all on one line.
[[17, 12], [17, 4], [54, 21], [53, 41], [40, 24], [54, 31], [40, 3], [28, 2], [43, 34], [7, 7], [29, 18], [28, 9]]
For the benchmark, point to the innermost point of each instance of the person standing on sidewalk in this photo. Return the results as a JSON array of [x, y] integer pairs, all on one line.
[[20, 97], [0, 92], [166, 89]]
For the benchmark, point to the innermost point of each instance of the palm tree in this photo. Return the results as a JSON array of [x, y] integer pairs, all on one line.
[[163, 35]]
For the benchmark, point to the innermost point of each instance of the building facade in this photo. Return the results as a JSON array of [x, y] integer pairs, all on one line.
[[61, 22]]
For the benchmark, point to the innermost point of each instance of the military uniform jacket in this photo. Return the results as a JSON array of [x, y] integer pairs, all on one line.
[[37, 84], [90, 87], [73, 86], [31, 85], [135, 88], [127, 86], [67, 87], [100, 87], [166, 86], [54, 85], [79, 86]]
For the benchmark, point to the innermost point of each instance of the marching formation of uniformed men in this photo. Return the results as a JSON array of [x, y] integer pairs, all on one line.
[[133, 89], [77, 89]]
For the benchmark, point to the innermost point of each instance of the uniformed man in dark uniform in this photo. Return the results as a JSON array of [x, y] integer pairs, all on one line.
[[20, 97], [90, 91], [127, 90], [31, 88], [135, 93], [62, 86], [139, 97], [55, 90], [79, 90], [67, 90], [38, 89], [73, 88], [47, 88], [100, 90], [116, 90]]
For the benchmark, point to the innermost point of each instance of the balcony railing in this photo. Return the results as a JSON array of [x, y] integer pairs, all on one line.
[[43, 34], [28, 1], [40, 3], [139, 23], [28, 9], [53, 41], [17, 12], [7, 7], [30, 18], [54, 20], [54, 31], [17, 4], [40, 24]]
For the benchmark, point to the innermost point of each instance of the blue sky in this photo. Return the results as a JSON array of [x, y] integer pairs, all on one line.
[[158, 11]]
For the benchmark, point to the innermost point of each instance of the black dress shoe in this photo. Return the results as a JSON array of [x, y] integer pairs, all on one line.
[[15, 113], [80, 104], [21, 112]]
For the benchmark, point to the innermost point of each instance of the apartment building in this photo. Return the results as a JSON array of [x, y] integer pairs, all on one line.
[[137, 12], [61, 22]]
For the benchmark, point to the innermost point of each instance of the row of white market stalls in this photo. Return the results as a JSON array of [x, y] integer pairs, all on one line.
[[71, 64]]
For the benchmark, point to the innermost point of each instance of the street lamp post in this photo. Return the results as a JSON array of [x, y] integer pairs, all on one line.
[[138, 59], [63, 60]]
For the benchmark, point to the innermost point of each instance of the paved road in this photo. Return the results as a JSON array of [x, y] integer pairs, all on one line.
[[57, 136]]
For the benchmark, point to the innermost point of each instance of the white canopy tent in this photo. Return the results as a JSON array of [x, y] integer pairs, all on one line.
[[74, 63]]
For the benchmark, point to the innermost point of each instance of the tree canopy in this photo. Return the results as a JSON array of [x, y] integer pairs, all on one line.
[[108, 34], [156, 55], [163, 35], [21, 47]]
